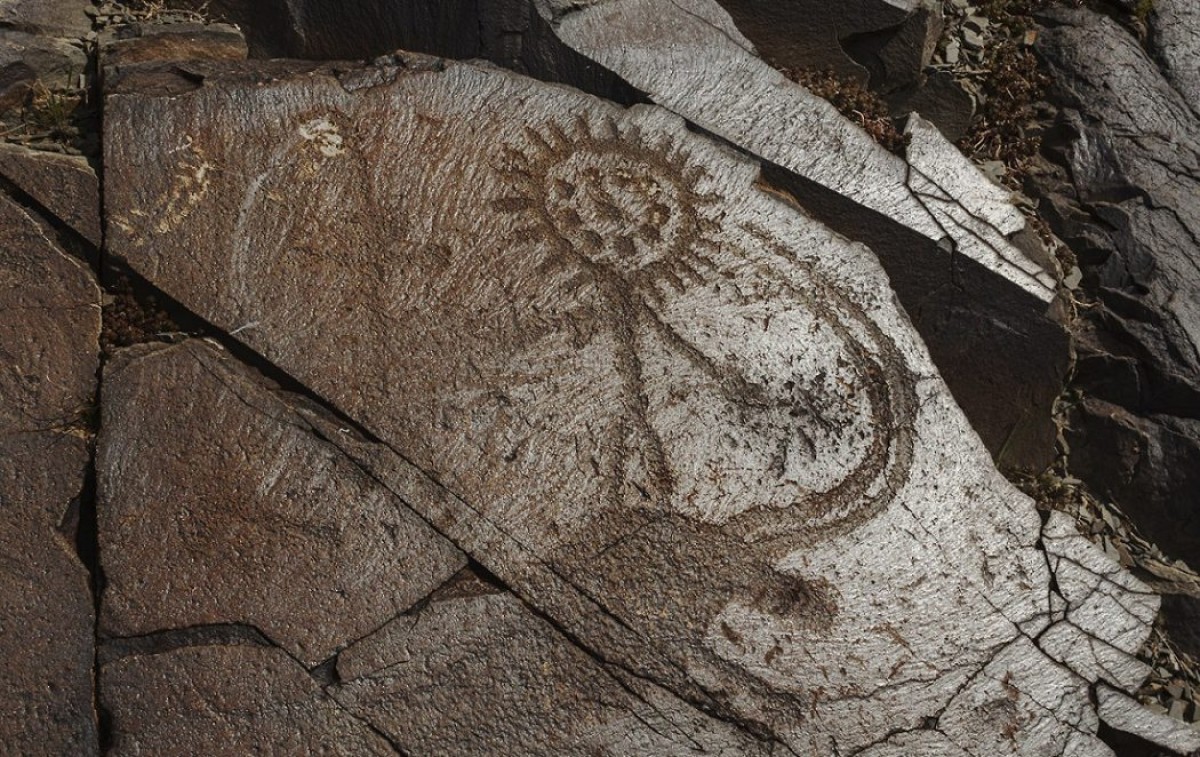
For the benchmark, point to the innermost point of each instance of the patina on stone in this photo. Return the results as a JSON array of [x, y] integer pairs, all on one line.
[[65, 185], [475, 672], [1128, 207], [678, 416], [49, 345], [226, 699], [242, 514]]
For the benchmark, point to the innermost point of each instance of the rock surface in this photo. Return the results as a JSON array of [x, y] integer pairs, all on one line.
[[138, 43], [226, 699], [885, 42], [476, 673], [27, 59], [1128, 207], [49, 333], [243, 515], [602, 360], [50, 18], [966, 286], [65, 185], [1175, 37]]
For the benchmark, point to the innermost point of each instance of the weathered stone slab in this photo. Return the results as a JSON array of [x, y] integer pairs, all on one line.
[[1107, 609], [52, 18], [1124, 714], [49, 336], [1133, 147], [681, 418], [65, 185], [26, 59], [479, 674], [937, 224], [234, 699], [139, 43], [220, 506], [1175, 37]]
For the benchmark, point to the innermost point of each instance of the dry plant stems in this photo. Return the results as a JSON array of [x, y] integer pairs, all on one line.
[[854, 101]]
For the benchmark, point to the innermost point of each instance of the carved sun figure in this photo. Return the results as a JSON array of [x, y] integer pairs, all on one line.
[[614, 205], [634, 220]]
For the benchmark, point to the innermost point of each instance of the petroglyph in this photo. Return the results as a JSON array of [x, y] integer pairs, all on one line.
[[682, 419], [629, 219]]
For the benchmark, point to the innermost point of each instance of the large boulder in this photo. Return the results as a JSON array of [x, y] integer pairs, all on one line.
[[685, 421]]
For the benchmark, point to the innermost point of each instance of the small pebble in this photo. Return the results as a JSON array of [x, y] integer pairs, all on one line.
[[952, 51], [1178, 709]]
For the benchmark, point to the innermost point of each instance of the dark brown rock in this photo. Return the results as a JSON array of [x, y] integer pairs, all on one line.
[[65, 185], [1175, 39], [139, 43], [887, 42], [942, 100], [1128, 208], [27, 59], [332, 29], [1181, 617], [219, 505], [235, 700], [479, 674], [51, 18], [1150, 464], [49, 326], [49, 334]]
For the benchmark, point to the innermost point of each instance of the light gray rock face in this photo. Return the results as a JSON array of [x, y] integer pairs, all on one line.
[[940, 228], [679, 417], [49, 345], [479, 674], [240, 514], [1125, 714], [226, 699], [1130, 210], [1175, 37]]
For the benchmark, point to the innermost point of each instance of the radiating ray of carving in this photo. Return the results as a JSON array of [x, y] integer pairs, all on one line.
[[678, 416]]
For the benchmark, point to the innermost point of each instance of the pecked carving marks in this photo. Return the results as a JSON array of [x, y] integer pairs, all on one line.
[[818, 444]]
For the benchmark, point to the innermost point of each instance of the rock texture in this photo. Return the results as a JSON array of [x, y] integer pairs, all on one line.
[[27, 59], [476, 673], [137, 43], [948, 248], [683, 420], [244, 515], [49, 332], [226, 699], [64, 185], [51, 18], [1128, 208], [1175, 37], [885, 42]]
